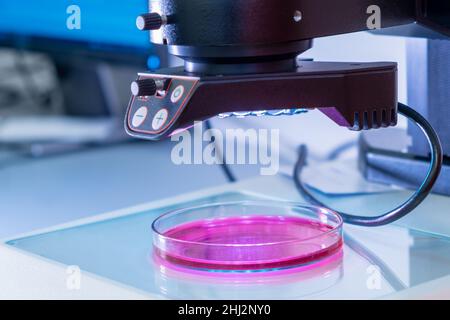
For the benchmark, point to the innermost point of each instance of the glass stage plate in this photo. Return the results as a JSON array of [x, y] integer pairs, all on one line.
[[374, 263]]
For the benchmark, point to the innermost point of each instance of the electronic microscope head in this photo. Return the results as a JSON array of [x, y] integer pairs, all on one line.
[[240, 57]]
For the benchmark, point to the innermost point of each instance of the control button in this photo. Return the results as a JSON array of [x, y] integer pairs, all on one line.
[[177, 94], [160, 119], [139, 117]]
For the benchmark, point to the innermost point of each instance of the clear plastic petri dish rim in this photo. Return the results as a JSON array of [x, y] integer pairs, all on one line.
[[247, 236]]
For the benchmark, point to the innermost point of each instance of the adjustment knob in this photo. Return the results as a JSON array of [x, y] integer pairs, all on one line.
[[146, 87], [150, 21]]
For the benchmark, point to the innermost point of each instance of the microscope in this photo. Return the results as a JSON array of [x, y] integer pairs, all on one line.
[[241, 56]]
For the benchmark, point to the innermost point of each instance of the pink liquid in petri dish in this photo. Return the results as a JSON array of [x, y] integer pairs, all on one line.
[[249, 243]]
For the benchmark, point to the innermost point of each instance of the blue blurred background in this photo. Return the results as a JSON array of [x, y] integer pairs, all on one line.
[[103, 21]]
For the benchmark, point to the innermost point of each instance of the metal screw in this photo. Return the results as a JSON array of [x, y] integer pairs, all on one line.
[[298, 16]]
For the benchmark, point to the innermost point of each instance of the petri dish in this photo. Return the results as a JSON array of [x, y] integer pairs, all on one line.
[[250, 236]]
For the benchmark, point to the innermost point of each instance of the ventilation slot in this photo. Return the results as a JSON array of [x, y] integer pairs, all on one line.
[[375, 120], [366, 124], [356, 122], [384, 121], [393, 116]]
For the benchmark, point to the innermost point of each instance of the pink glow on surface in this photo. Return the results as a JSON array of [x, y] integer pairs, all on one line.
[[249, 243], [309, 271]]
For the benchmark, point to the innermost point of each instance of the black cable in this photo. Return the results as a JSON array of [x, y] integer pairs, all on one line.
[[415, 200], [223, 163]]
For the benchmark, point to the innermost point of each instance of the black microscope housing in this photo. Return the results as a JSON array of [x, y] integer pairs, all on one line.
[[240, 56]]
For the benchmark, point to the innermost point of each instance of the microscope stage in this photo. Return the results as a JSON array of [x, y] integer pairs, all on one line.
[[375, 263]]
